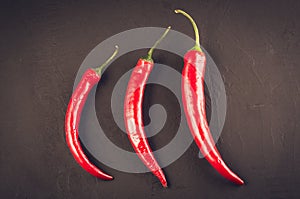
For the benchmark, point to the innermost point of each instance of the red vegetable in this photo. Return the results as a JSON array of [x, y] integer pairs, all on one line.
[[89, 79], [133, 113], [194, 106]]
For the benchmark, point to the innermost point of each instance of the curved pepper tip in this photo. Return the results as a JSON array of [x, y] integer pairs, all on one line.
[[163, 181], [240, 181], [108, 178], [236, 180], [105, 176], [164, 184]]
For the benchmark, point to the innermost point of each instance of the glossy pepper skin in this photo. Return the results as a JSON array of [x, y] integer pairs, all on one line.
[[194, 106], [89, 79], [133, 116]]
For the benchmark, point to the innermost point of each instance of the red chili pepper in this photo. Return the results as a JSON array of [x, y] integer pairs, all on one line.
[[133, 113], [89, 79], [194, 106]]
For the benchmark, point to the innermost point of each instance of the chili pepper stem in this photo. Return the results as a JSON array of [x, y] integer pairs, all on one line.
[[197, 39], [100, 68], [150, 52]]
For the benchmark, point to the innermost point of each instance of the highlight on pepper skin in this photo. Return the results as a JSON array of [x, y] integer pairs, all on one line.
[[194, 105], [133, 112], [89, 79]]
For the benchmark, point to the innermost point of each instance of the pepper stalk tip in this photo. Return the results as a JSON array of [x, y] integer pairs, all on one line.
[[100, 68], [196, 31], [149, 56]]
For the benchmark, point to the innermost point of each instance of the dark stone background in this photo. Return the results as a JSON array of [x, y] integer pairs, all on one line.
[[255, 44]]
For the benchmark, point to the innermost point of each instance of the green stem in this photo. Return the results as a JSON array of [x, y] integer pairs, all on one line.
[[100, 68], [197, 43], [150, 52]]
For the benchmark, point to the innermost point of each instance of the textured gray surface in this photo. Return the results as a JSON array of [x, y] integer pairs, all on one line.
[[255, 44]]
